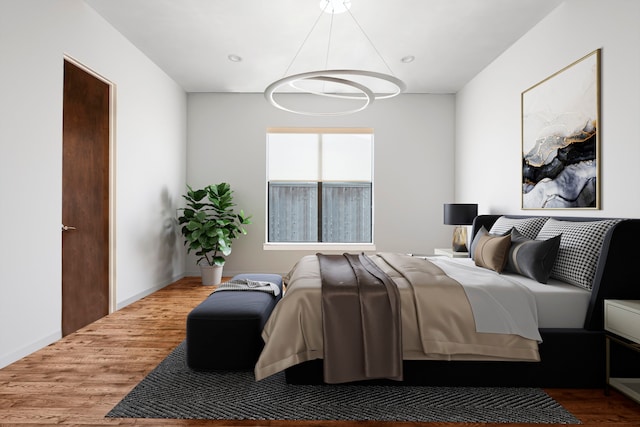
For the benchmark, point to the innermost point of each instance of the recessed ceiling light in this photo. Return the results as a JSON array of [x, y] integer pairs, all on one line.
[[234, 58], [407, 59]]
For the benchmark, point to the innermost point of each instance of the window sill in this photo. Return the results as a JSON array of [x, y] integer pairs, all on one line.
[[345, 247]]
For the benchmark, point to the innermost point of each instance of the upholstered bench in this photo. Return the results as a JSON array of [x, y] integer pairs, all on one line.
[[224, 331]]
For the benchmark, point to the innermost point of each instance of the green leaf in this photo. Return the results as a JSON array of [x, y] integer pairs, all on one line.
[[218, 260], [193, 225], [224, 248], [198, 195]]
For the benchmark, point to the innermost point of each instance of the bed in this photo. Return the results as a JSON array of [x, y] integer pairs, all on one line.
[[594, 261]]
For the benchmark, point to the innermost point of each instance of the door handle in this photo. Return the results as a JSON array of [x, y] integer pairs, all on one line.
[[67, 227]]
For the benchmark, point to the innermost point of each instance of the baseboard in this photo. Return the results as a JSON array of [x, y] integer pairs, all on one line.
[[16, 355], [230, 273], [147, 292]]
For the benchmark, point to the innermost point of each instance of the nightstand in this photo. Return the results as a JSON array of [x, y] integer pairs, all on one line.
[[450, 253], [622, 327]]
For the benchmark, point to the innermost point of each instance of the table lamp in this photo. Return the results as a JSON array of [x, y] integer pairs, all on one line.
[[460, 215]]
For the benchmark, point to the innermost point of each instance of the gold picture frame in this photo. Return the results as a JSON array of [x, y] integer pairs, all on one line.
[[561, 138]]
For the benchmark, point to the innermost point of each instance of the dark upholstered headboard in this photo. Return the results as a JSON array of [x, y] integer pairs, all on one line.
[[618, 272]]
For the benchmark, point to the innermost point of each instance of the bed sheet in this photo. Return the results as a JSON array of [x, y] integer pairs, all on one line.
[[559, 304]]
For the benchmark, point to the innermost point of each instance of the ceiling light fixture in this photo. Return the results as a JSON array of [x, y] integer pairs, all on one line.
[[335, 6], [349, 84]]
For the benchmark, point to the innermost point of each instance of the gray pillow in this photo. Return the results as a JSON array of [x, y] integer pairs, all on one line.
[[532, 258]]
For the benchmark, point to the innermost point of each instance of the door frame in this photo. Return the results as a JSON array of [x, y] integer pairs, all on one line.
[[112, 177]]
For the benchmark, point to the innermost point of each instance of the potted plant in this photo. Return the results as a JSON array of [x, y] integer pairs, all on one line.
[[209, 225]]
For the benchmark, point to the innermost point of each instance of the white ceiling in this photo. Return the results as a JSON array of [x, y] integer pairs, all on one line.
[[452, 40]]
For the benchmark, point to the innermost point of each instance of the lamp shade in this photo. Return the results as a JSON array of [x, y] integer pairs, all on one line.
[[460, 213]]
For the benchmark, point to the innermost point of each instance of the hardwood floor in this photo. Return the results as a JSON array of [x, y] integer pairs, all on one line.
[[78, 379]]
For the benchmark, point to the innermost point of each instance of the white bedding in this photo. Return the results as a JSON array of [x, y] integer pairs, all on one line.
[[559, 304], [499, 305]]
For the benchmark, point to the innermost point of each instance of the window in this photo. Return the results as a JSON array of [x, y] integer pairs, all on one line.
[[320, 186]]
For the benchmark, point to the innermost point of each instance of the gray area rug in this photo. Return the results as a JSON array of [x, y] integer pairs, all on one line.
[[172, 390]]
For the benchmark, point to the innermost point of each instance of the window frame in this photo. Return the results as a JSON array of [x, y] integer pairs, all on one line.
[[324, 246]]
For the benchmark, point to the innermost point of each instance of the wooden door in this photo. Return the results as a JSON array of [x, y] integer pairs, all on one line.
[[85, 199]]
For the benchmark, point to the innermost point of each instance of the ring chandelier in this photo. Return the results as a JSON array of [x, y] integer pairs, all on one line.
[[343, 77]]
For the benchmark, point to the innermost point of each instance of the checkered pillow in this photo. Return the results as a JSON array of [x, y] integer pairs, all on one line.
[[528, 227], [579, 251]]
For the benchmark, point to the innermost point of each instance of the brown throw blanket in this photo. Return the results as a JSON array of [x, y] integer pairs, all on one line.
[[361, 320]]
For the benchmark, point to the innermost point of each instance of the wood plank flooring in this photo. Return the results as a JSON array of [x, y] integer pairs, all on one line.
[[78, 379]]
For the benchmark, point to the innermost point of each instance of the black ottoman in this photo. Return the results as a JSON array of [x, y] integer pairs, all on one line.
[[224, 331]]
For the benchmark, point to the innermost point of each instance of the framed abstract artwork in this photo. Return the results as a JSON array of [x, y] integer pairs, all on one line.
[[561, 138]]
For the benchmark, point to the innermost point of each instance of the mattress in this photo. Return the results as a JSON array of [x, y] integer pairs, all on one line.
[[559, 304]]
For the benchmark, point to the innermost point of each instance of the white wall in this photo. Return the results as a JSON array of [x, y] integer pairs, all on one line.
[[414, 137], [150, 164], [488, 144]]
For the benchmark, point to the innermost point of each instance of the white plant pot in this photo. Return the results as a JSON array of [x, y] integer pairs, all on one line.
[[211, 274]]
